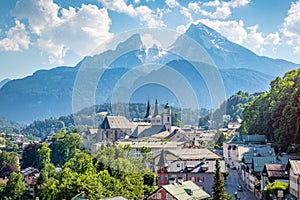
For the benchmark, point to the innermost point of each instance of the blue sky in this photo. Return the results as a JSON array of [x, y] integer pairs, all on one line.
[[42, 34]]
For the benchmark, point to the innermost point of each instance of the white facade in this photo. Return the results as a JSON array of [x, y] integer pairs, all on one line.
[[293, 183], [167, 120]]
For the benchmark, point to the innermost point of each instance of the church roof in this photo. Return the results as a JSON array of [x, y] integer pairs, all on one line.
[[162, 162], [147, 131], [167, 105], [116, 122], [155, 109], [148, 110]]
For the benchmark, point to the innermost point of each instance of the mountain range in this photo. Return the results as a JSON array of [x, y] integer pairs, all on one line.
[[49, 93]]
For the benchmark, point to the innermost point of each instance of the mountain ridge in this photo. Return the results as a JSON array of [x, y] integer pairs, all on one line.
[[48, 93]]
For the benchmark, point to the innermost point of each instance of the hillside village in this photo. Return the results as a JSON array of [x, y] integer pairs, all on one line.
[[186, 157]]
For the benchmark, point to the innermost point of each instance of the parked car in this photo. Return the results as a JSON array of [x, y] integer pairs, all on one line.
[[239, 188]]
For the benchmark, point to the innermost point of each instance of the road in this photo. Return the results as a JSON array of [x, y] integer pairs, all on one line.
[[233, 180]]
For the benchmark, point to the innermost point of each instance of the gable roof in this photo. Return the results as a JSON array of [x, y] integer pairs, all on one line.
[[194, 166], [275, 170], [162, 162], [147, 130], [295, 166], [186, 190], [258, 163], [190, 154], [116, 122]]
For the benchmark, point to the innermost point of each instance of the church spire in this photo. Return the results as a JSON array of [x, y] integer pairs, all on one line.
[[148, 110], [155, 109]]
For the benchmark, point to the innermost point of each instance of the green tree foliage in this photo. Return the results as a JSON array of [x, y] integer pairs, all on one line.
[[218, 190], [64, 147], [39, 129], [272, 188], [234, 106], [15, 186], [8, 163], [81, 174], [276, 114], [131, 172], [43, 155], [29, 156], [237, 103]]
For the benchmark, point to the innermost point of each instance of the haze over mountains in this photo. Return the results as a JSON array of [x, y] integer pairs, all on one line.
[[49, 92]]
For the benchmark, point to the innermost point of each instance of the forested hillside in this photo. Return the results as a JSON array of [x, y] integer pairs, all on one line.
[[276, 114]]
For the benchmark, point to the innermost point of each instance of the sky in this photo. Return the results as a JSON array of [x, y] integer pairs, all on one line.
[[42, 34]]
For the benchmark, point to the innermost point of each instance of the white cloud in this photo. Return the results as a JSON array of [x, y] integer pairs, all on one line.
[[223, 8], [214, 3], [40, 13], [80, 29], [255, 39], [181, 29], [238, 3], [249, 37], [172, 3], [143, 13], [291, 27], [16, 38], [185, 12], [222, 12], [232, 30], [297, 50], [273, 38], [194, 6]]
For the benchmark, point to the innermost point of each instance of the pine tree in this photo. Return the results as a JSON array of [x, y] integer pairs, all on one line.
[[218, 190]]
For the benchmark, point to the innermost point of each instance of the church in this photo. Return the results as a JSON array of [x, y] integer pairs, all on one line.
[[154, 124], [114, 128], [156, 118]]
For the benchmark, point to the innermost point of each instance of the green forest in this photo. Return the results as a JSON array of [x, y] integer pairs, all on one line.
[[66, 170], [276, 113]]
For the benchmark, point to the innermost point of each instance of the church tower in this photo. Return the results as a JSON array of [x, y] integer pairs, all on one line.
[[156, 118], [147, 117], [167, 119]]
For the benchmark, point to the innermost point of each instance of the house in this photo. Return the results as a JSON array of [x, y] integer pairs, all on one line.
[[237, 145], [233, 125], [294, 176], [30, 175], [182, 190], [274, 173], [253, 173], [197, 165]]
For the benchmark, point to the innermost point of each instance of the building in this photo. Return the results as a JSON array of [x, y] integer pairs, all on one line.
[[274, 173], [237, 145], [252, 172], [30, 175], [112, 129], [156, 119], [294, 176], [179, 191], [233, 125], [197, 165]]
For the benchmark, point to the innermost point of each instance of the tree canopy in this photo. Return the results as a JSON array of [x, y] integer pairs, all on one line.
[[276, 113]]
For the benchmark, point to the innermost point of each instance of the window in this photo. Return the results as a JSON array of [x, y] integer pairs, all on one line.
[[193, 179], [200, 179], [154, 196], [158, 196], [168, 196]]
